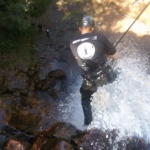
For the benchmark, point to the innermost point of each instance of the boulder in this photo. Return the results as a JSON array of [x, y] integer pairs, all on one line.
[[57, 74], [53, 93], [18, 83], [45, 84], [23, 120], [15, 145], [57, 136]]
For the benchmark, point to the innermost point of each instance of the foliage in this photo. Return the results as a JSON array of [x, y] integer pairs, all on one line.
[[16, 23], [36, 7]]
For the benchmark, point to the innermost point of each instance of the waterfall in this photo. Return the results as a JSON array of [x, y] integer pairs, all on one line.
[[125, 104]]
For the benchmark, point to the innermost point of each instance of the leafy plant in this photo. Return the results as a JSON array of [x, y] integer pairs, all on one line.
[[16, 25]]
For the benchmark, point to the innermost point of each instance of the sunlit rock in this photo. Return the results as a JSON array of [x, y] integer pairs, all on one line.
[[15, 145]]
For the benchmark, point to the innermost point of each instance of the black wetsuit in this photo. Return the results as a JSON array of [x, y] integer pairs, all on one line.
[[91, 50]]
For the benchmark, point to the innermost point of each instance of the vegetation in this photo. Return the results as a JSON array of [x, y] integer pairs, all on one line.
[[16, 25]]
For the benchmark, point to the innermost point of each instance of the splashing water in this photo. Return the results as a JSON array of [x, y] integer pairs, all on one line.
[[125, 103]]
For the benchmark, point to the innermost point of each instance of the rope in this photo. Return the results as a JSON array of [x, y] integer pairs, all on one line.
[[132, 24]]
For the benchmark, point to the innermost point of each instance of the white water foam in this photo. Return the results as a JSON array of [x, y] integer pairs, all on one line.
[[125, 103]]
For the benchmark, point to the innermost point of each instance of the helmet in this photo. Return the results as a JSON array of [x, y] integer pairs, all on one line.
[[87, 21]]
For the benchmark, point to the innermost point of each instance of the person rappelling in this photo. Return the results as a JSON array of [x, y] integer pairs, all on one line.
[[91, 50]]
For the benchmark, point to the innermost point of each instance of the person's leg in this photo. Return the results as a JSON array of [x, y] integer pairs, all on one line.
[[110, 74], [85, 101]]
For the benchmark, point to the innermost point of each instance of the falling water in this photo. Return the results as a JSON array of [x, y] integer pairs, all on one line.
[[125, 104]]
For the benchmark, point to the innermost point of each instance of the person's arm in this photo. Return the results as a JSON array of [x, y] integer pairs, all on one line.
[[110, 50], [114, 56]]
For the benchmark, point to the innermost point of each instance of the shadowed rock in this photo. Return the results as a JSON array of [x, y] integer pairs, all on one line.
[[53, 93], [58, 74], [23, 120], [45, 84], [57, 136]]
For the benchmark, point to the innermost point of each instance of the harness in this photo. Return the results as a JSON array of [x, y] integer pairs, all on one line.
[[98, 77]]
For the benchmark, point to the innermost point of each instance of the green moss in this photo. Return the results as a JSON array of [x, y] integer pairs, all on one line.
[[22, 53], [17, 32]]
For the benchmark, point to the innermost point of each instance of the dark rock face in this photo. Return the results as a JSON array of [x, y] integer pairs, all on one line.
[[58, 136], [18, 84], [13, 139], [23, 120], [52, 78], [65, 136], [27, 83], [57, 74], [96, 139], [45, 84]]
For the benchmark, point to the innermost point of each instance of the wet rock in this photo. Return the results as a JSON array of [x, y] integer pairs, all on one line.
[[31, 72], [79, 138], [18, 79], [3, 89], [63, 145], [55, 136], [58, 74], [23, 120], [39, 84], [96, 139], [136, 143], [29, 102], [32, 93], [23, 101], [3, 86], [35, 78], [16, 83], [22, 67], [11, 137], [15, 145], [50, 82], [2, 115], [53, 93], [45, 84], [1, 78], [64, 130]]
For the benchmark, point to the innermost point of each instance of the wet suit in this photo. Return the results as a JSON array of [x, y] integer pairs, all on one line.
[[91, 50]]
